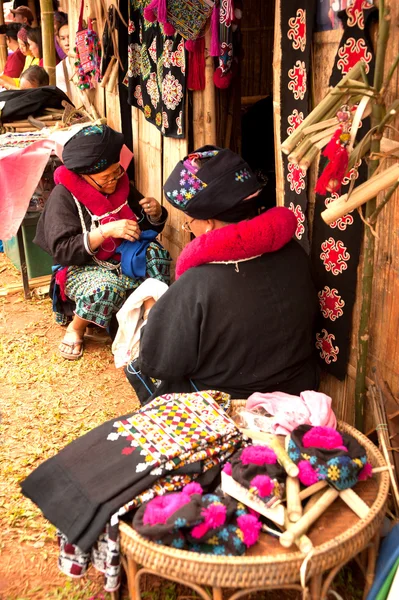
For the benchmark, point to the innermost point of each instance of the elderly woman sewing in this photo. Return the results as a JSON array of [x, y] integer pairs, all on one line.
[[100, 232], [240, 316]]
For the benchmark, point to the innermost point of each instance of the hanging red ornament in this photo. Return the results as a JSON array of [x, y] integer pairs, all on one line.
[[196, 65]]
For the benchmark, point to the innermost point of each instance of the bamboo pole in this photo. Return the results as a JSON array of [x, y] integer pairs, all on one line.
[[377, 117], [360, 195], [209, 95], [320, 110], [3, 44], [355, 503], [294, 506], [312, 489], [46, 7]]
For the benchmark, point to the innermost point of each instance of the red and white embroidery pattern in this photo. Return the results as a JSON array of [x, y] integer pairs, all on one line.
[[138, 95], [351, 53], [152, 89], [134, 60], [152, 50], [331, 304], [297, 85], [172, 91], [296, 177], [131, 28], [179, 123], [341, 222], [334, 256], [297, 31], [353, 173], [355, 13], [300, 217], [165, 122], [226, 15], [174, 59], [324, 343], [295, 119]]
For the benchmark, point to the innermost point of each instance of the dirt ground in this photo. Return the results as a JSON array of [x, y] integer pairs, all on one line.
[[45, 403]]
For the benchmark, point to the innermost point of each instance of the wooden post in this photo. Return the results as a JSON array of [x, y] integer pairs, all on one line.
[[204, 105], [46, 7], [3, 44]]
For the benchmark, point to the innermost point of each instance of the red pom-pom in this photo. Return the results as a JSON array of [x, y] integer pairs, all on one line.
[[149, 14], [214, 516], [263, 484], [322, 437], [258, 455], [366, 472], [222, 81], [250, 527], [169, 29], [307, 474]]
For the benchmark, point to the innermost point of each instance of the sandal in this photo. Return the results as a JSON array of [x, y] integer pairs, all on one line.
[[70, 355]]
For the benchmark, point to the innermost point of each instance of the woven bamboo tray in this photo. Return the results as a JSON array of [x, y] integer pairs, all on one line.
[[337, 536]]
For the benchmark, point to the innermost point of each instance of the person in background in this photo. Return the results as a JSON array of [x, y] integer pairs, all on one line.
[[15, 60], [35, 43], [12, 83], [64, 70], [60, 19], [34, 77], [23, 15]]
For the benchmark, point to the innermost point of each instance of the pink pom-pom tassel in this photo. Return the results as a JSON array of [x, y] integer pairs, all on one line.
[[250, 527], [263, 484], [169, 29], [215, 41], [228, 469], [149, 13], [366, 472], [192, 488], [307, 475], [162, 11]]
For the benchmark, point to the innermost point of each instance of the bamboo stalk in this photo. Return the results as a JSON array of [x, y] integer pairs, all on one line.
[[309, 157], [304, 145], [369, 239], [303, 543], [363, 193], [302, 526], [47, 14], [316, 137], [271, 440], [3, 44], [107, 73], [314, 499], [294, 506], [209, 95], [373, 217], [113, 77], [320, 110], [322, 125]]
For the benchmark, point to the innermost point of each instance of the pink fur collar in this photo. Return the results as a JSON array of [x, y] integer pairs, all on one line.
[[268, 232]]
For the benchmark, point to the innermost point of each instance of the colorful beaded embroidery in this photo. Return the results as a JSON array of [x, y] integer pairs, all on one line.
[[242, 175], [191, 185]]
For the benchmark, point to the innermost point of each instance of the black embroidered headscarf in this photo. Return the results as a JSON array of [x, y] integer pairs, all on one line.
[[93, 149], [212, 183]]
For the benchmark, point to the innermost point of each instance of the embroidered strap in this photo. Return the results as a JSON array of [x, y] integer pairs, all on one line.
[[102, 263]]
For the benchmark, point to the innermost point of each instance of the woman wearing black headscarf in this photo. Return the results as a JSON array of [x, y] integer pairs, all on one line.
[[101, 234], [240, 316]]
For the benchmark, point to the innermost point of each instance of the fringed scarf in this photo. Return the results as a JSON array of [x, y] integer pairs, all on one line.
[[102, 208]]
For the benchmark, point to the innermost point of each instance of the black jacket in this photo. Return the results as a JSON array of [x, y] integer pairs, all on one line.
[[240, 332]]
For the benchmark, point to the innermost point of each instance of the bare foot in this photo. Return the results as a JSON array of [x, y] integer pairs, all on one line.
[[72, 342]]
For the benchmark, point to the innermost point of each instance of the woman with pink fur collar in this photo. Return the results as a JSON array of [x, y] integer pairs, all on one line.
[[240, 316]]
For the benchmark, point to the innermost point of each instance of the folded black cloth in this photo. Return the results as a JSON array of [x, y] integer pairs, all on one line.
[[20, 104]]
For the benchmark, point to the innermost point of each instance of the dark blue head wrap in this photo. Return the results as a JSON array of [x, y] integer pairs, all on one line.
[[93, 149]]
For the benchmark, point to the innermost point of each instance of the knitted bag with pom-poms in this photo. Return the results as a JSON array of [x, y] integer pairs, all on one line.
[[324, 453]]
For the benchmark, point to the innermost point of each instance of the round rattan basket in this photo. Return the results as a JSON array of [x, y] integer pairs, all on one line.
[[338, 536]]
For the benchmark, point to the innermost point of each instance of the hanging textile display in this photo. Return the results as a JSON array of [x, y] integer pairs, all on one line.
[[156, 75], [336, 247], [297, 19], [224, 40], [88, 54]]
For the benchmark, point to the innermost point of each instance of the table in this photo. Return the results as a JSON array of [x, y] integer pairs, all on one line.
[[338, 536]]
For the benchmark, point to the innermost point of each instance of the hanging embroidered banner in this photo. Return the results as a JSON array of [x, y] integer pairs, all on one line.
[[336, 247], [156, 76], [297, 17]]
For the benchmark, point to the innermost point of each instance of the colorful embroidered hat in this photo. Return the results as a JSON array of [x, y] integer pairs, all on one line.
[[188, 520], [324, 453], [93, 149], [211, 183], [256, 468]]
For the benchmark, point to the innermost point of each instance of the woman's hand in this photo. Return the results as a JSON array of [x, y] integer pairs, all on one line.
[[152, 208], [125, 229]]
